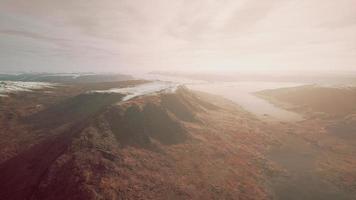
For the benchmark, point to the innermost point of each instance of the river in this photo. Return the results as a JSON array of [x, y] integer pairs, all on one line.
[[240, 92]]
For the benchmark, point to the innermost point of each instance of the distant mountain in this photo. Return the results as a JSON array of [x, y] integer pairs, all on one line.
[[297, 77], [332, 101], [65, 77]]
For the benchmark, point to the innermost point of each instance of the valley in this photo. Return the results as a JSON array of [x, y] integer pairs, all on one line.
[[163, 140]]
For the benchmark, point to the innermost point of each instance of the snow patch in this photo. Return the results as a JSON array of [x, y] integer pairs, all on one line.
[[72, 75], [7, 87], [143, 89]]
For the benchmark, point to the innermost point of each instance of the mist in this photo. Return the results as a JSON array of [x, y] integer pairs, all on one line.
[[136, 36], [178, 99]]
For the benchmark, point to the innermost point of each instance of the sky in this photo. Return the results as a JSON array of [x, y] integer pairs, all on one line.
[[191, 35]]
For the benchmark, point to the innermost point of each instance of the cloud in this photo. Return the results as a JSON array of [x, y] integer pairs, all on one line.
[[141, 34]]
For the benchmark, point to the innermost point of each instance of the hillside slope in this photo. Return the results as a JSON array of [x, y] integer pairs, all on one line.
[[162, 146], [329, 127]]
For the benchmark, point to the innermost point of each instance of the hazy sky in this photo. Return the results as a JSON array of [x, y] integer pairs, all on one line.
[[115, 35]]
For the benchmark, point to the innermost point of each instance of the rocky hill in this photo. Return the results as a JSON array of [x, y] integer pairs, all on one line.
[[167, 145]]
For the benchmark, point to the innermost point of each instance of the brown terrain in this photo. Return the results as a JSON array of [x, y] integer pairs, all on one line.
[[65, 143], [327, 135], [68, 143]]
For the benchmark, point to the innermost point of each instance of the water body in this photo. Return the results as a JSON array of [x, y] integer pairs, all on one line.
[[242, 93]]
